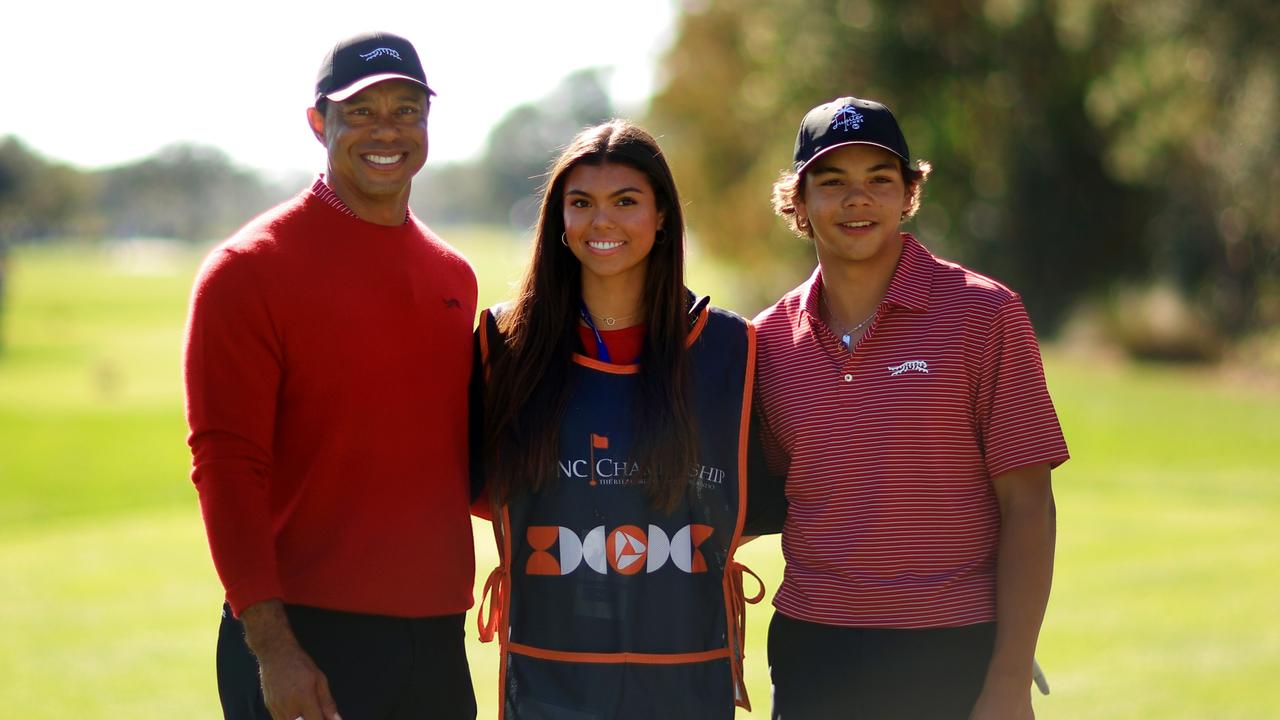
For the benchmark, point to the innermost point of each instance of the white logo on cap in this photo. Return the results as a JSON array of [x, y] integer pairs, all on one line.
[[380, 52], [847, 118]]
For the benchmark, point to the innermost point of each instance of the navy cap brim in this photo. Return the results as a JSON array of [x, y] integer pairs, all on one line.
[[344, 93], [824, 151]]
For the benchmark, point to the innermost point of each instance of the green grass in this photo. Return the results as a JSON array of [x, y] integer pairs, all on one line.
[[1169, 514]]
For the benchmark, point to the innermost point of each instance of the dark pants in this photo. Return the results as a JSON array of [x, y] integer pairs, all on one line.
[[828, 672], [378, 667]]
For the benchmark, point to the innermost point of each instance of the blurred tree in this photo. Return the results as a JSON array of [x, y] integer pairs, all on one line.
[[1191, 110], [451, 194], [1074, 143], [186, 192], [524, 142], [4, 273], [503, 186], [37, 198]]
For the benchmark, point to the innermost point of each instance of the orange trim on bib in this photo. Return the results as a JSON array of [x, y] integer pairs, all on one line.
[[603, 366], [484, 337], [488, 623], [619, 658], [502, 534], [698, 324], [734, 601], [633, 368]]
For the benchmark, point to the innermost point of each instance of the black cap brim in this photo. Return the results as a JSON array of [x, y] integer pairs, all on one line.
[[906, 161], [344, 93]]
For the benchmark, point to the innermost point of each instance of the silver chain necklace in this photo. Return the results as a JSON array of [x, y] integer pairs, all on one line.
[[846, 337]]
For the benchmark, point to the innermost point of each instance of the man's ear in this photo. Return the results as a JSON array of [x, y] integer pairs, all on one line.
[[316, 121]]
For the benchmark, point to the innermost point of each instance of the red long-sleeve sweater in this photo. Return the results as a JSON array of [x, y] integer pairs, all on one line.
[[327, 363]]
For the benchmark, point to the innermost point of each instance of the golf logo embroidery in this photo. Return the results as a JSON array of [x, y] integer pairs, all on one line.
[[921, 366], [379, 52], [627, 550], [847, 118]]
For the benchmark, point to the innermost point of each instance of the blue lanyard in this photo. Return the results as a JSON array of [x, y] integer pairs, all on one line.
[[602, 352]]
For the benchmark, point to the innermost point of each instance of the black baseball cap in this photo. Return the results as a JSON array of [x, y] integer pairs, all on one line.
[[848, 121], [367, 59]]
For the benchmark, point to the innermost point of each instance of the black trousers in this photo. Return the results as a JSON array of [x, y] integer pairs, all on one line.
[[378, 667], [827, 672]]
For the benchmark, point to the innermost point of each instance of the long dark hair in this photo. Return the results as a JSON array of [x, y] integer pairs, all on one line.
[[528, 386]]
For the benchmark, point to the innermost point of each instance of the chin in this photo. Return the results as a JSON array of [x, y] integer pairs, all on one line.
[[385, 186]]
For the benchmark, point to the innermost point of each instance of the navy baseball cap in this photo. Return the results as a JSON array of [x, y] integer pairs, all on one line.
[[848, 121], [367, 59]]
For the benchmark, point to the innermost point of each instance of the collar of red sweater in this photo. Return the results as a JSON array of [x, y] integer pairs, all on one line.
[[326, 195]]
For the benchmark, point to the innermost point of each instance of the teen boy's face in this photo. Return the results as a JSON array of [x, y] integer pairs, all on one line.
[[853, 199]]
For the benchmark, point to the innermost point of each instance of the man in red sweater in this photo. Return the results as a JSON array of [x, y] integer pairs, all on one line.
[[327, 360]]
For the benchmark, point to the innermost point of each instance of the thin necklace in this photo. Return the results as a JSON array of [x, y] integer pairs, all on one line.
[[846, 337], [611, 321]]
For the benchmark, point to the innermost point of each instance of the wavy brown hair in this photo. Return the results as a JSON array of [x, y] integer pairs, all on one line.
[[528, 386]]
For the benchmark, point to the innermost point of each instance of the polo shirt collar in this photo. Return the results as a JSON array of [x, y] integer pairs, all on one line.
[[908, 288], [913, 277], [809, 299]]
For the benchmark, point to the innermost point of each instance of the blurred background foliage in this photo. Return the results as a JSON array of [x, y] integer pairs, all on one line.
[[1113, 160], [184, 192], [1094, 153]]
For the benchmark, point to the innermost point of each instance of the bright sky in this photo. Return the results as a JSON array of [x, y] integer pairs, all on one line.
[[101, 83]]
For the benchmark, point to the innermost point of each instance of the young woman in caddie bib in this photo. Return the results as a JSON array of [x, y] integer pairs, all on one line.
[[615, 420]]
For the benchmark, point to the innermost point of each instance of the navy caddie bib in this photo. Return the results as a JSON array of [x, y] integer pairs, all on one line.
[[609, 607]]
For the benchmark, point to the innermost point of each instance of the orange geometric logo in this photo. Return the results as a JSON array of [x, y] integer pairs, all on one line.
[[541, 562], [698, 534], [628, 547]]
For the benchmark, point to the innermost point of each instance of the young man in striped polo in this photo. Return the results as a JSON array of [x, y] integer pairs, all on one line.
[[903, 399]]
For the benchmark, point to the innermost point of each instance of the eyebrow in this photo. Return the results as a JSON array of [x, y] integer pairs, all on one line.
[[615, 193]]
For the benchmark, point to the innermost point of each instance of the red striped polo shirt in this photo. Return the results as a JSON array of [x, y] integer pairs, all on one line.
[[888, 451]]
